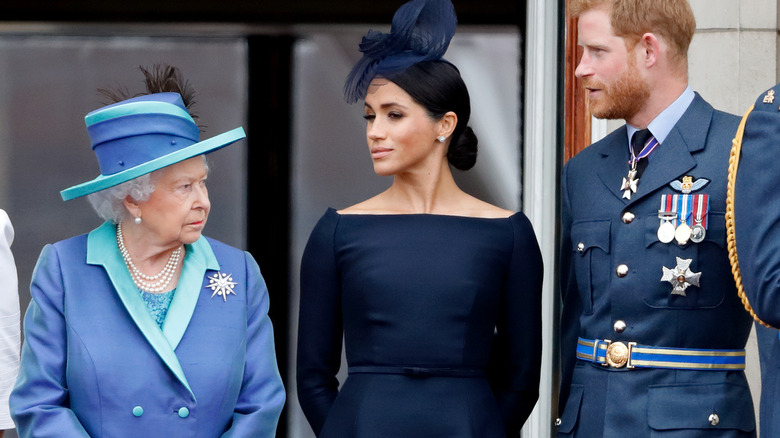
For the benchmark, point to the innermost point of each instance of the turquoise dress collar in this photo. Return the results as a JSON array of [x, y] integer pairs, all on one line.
[[102, 250]]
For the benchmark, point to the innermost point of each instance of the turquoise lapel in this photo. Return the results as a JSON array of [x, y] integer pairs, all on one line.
[[102, 250], [197, 260]]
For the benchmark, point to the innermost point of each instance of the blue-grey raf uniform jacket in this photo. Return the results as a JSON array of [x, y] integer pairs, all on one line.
[[612, 263], [95, 363], [757, 238]]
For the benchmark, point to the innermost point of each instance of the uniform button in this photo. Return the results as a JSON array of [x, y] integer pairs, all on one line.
[[714, 419], [580, 247], [620, 326], [622, 271], [628, 217], [184, 412], [558, 422], [138, 411]]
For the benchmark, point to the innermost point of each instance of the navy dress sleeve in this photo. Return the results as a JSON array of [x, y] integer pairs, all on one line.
[[320, 324], [517, 353]]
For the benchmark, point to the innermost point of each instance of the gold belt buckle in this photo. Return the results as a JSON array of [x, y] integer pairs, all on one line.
[[619, 354]]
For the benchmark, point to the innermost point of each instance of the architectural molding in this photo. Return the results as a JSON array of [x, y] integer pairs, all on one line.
[[540, 183]]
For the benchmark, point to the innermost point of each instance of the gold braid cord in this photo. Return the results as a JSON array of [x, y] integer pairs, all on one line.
[[736, 148]]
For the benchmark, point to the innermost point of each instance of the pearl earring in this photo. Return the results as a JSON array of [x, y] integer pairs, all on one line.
[[441, 138], [137, 220]]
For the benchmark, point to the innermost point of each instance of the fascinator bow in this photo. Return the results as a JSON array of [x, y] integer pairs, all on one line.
[[421, 31]]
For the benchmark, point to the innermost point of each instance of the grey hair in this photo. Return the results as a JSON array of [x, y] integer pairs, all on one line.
[[109, 203]]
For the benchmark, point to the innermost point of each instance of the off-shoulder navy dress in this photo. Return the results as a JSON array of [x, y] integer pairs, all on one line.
[[441, 319]]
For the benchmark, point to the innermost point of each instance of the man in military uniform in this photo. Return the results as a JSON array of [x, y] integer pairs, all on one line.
[[652, 330], [756, 228]]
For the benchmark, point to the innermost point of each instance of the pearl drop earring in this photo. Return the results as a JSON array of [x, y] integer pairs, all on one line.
[[441, 138], [137, 220]]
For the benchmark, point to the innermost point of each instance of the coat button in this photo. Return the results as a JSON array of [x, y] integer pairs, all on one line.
[[628, 217], [580, 247], [622, 271], [558, 422], [714, 419], [184, 412], [138, 411], [620, 326]]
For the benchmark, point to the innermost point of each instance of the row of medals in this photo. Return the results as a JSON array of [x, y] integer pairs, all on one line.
[[667, 232], [682, 233]]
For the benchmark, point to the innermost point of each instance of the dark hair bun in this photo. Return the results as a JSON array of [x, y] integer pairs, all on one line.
[[463, 150]]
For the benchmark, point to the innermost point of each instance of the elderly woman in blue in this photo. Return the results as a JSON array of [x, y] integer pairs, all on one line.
[[143, 327]]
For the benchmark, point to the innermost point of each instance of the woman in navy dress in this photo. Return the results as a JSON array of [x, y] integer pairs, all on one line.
[[435, 293]]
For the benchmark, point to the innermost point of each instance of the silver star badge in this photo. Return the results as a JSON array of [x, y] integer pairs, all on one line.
[[222, 285], [681, 276]]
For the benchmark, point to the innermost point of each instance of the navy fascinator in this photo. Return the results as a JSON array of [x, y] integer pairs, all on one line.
[[421, 31]]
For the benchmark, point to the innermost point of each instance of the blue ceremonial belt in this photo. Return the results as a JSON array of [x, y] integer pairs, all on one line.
[[632, 355]]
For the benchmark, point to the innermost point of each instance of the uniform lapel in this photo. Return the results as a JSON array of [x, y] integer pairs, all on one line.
[[614, 161], [198, 259], [673, 158], [102, 250]]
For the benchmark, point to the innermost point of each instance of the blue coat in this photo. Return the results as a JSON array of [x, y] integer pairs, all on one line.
[[636, 306], [94, 362], [756, 214]]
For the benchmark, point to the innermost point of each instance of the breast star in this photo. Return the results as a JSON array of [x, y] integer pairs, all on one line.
[[222, 285], [681, 276]]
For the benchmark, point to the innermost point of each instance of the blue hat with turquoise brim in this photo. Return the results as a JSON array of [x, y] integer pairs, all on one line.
[[143, 134]]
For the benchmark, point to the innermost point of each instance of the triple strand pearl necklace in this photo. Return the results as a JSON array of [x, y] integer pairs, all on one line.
[[148, 283]]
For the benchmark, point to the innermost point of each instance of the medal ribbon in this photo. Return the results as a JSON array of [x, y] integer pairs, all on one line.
[[684, 209], [649, 147], [702, 206], [666, 203]]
